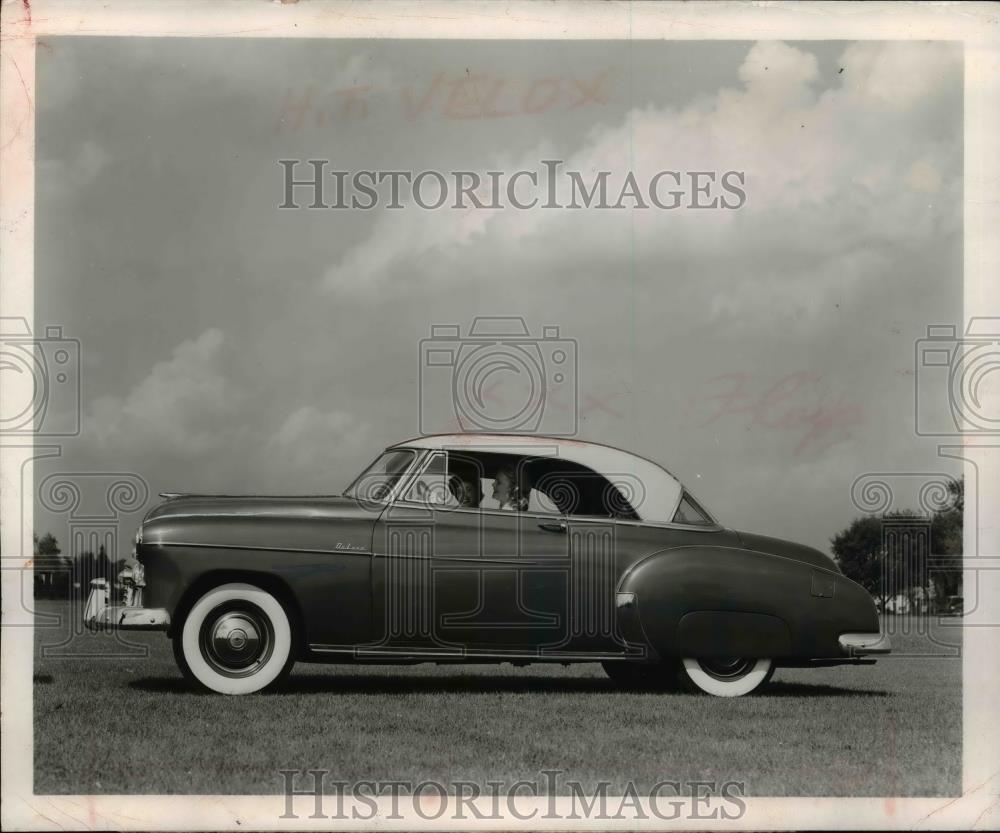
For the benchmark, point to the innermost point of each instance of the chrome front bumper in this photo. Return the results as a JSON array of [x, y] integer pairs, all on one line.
[[864, 644], [101, 615]]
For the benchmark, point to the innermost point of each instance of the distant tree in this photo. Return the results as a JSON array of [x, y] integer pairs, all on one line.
[[862, 553], [947, 543], [858, 551], [102, 565], [84, 569], [51, 568], [47, 544]]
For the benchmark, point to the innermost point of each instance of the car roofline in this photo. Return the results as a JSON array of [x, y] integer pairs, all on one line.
[[558, 441]]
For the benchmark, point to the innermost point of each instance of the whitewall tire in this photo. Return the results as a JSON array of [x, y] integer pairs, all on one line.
[[726, 677], [236, 639]]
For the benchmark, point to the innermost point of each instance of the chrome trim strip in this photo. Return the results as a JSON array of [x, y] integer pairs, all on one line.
[[473, 559], [523, 562], [255, 547], [534, 561], [465, 653], [665, 525], [256, 513]]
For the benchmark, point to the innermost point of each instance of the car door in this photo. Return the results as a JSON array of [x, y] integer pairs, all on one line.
[[456, 579]]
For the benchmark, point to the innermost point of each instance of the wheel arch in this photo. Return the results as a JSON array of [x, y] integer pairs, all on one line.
[[270, 582], [686, 595]]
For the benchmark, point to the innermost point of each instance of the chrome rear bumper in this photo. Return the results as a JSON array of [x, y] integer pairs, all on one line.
[[864, 644], [100, 615]]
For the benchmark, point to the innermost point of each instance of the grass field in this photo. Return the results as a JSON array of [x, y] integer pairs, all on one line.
[[131, 725]]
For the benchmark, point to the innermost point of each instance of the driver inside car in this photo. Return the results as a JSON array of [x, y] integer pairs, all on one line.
[[466, 490]]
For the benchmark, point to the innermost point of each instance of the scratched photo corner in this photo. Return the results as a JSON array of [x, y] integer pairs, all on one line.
[[496, 418]]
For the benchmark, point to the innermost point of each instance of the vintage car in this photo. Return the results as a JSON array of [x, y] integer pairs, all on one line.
[[475, 548]]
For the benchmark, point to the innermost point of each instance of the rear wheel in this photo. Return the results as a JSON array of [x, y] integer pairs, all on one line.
[[727, 676], [236, 639], [658, 676]]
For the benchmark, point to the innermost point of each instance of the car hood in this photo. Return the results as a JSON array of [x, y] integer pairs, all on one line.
[[787, 549], [305, 524]]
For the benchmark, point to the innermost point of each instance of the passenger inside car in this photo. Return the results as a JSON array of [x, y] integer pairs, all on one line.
[[511, 488]]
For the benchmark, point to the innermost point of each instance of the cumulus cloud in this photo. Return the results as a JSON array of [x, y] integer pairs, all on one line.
[[183, 407], [194, 410], [308, 450], [833, 177]]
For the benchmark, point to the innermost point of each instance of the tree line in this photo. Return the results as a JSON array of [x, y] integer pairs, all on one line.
[[909, 562], [60, 576]]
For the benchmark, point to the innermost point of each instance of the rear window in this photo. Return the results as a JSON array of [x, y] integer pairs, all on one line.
[[690, 513]]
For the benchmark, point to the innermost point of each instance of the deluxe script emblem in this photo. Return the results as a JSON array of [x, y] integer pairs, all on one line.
[[342, 546]]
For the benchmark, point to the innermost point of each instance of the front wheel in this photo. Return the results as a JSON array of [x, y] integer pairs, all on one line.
[[726, 677], [237, 639]]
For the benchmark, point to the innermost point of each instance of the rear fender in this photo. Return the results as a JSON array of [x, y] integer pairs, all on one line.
[[729, 601]]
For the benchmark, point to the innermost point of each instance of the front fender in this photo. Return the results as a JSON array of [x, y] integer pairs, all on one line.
[[729, 601]]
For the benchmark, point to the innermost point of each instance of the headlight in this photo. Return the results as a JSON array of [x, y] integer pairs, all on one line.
[[133, 573]]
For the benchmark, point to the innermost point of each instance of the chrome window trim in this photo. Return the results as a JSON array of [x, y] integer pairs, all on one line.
[[418, 454], [423, 463], [715, 527], [408, 476], [430, 453], [423, 460], [685, 491]]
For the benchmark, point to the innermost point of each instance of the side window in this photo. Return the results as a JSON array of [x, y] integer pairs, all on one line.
[[446, 481], [572, 489], [430, 486], [689, 512]]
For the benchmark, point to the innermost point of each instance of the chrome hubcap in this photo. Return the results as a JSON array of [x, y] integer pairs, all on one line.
[[236, 641]]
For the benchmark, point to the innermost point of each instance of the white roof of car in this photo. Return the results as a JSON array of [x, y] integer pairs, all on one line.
[[653, 491]]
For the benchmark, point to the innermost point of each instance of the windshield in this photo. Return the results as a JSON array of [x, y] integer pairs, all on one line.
[[377, 481]]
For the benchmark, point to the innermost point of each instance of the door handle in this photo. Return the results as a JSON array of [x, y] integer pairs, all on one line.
[[552, 526]]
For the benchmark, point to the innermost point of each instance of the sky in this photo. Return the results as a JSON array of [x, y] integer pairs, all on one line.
[[765, 355]]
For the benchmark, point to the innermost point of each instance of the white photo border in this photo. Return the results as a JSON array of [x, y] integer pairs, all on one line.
[[975, 25]]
